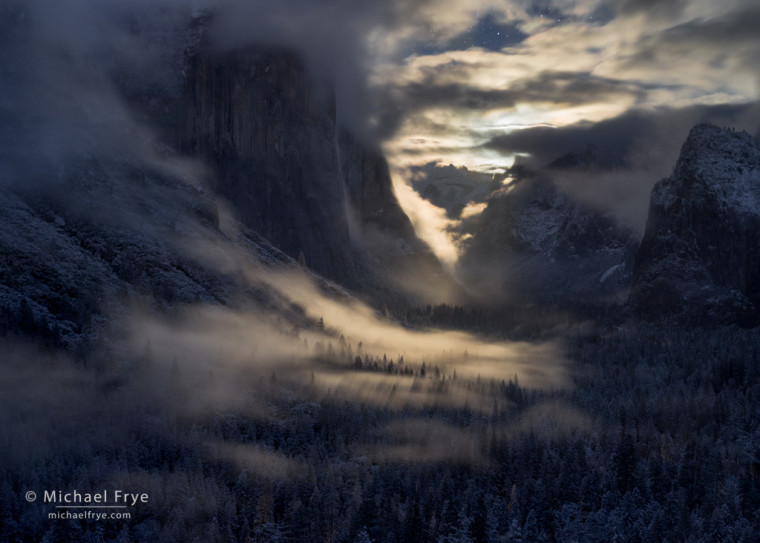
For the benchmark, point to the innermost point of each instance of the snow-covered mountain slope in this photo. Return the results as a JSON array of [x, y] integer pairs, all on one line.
[[700, 256], [535, 242], [453, 188], [77, 252]]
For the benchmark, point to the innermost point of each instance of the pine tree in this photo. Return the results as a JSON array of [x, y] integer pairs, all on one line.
[[363, 536]]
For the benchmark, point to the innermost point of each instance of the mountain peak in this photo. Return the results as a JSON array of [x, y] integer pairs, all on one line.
[[699, 256], [723, 164]]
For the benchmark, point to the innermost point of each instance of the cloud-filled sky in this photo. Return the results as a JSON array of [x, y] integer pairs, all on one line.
[[466, 74], [441, 79], [447, 80]]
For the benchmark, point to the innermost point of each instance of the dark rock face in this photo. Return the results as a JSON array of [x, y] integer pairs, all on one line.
[[255, 116], [700, 256], [392, 256], [369, 189], [533, 242], [269, 131]]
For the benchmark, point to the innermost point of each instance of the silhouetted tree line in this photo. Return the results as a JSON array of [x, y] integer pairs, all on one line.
[[530, 321]]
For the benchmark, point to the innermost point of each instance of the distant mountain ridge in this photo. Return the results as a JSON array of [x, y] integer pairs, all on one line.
[[453, 188], [535, 243], [590, 158]]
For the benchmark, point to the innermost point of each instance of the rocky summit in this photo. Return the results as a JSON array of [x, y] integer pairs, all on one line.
[[699, 256]]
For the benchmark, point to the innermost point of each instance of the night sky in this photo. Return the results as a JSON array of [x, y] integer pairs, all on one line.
[[468, 93]]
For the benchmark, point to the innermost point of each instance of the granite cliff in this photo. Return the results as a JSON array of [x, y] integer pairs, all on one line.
[[255, 117], [699, 257], [269, 130]]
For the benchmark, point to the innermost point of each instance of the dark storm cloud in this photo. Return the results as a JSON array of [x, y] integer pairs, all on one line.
[[708, 41], [573, 88], [651, 8], [440, 150], [619, 136], [545, 143], [59, 99], [732, 29], [633, 151], [561, 88]]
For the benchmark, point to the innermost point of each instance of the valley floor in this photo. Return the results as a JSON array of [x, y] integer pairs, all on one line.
[[657, 438]]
